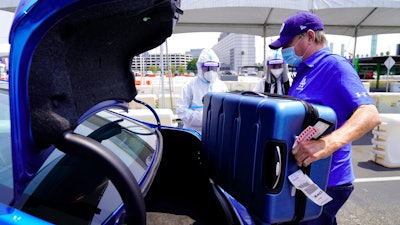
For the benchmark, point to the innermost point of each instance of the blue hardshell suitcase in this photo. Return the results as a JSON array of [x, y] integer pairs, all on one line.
[[246, 148]]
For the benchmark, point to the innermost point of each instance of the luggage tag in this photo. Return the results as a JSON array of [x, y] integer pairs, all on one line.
[[302, 181]]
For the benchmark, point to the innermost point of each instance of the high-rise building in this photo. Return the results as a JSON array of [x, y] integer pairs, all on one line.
[[236, 51], [374, 40], [342, 50], [195, 53]]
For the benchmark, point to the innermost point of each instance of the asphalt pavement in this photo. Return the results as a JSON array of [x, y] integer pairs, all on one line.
[[376, 197]]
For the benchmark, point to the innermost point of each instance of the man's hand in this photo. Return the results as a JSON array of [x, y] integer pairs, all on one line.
[[310, 151]]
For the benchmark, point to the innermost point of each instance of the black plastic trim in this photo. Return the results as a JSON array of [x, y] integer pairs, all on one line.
[[113, 167]]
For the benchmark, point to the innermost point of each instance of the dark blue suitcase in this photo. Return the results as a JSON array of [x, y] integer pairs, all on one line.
[[246, 148]]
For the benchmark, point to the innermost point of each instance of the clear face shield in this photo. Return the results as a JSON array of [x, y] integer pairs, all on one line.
[[210, 70], [210, 66], [276, 67]]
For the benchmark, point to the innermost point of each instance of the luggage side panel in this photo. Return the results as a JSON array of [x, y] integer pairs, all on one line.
[[219, 129], [280, 122], [228, 141], [246, 144], [212, 107]]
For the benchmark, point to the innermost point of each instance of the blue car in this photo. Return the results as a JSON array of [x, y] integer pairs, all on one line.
[[66, 155]]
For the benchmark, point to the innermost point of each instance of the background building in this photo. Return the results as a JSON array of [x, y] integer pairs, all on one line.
[[145, 60], [236, 51], [195, 53]]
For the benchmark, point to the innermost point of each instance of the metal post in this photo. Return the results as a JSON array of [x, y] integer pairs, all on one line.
[[162, 77]]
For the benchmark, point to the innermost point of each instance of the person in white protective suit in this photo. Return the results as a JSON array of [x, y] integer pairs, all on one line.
[[189, 106], [276, 80]]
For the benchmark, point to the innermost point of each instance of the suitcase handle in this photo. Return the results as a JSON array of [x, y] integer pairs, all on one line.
[[263, 95], [278, 166], [252, 93], [274, 163]]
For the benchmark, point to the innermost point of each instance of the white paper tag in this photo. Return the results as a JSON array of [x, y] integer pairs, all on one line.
[[321, 128], [304, 183]]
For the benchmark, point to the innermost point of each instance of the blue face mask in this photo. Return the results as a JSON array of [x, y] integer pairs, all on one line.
[[290, 57]]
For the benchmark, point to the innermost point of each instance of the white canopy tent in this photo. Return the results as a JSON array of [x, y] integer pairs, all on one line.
[[4, 50], [264, 18], [5, 25]]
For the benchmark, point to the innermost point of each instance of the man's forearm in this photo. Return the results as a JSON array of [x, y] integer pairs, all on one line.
[[364, 119]]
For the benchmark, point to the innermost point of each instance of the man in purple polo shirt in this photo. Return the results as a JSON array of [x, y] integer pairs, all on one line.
[[326, 79]]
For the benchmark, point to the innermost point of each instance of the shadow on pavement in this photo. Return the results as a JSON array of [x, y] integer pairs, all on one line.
[[370, 165]]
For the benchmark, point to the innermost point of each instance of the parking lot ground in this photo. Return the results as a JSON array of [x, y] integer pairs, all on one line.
[[376, 197]]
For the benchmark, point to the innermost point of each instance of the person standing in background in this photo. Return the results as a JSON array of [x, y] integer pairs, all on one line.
[[189, 107], [276, 79], [327, 79]]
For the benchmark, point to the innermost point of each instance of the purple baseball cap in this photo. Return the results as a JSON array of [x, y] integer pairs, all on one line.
[[297, 24]]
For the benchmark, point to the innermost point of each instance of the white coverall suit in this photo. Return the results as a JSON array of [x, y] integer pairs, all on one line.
[[189, 106]]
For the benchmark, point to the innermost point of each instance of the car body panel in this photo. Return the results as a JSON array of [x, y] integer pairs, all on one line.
[[54, 59], [11, 216]]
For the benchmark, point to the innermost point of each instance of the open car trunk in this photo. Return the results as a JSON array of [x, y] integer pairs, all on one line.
[[181, 192]]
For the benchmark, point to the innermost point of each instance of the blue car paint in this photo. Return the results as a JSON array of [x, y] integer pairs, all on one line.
[[11, 216], [26, 157]]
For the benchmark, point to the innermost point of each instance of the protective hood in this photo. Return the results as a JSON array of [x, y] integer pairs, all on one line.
[[70, 59], [207, 55]]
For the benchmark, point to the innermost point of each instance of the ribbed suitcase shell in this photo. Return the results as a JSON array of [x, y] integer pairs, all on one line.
[[243, 137]]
